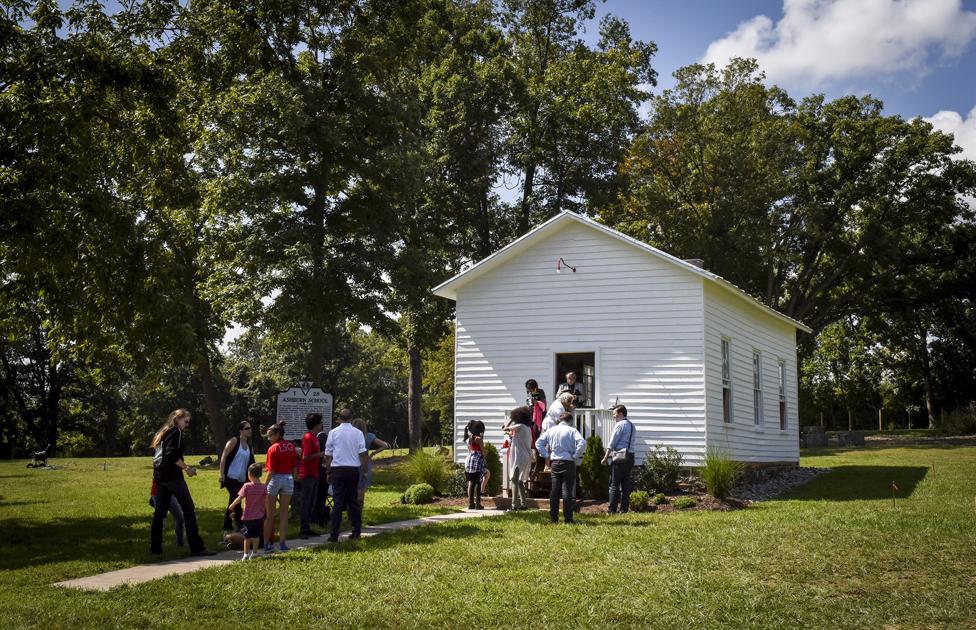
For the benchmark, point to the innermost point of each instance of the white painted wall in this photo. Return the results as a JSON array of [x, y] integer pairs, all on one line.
[[641, 315], [748, 328]]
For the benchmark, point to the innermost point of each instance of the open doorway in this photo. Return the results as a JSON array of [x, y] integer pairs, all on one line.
[[584, 365]]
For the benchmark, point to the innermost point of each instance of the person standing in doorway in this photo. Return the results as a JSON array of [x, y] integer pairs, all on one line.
[[308, 473], [574, 387], [345, 460], [620, 456], [235, 459], [168, 469], [563, 445]]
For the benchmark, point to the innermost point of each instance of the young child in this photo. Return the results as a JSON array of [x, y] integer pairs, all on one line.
[[254, 494], [474, 464]]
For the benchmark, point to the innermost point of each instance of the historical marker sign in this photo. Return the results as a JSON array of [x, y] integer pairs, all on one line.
[[299, 401]]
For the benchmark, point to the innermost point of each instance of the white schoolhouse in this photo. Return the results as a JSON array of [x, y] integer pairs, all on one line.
[[697, 361]]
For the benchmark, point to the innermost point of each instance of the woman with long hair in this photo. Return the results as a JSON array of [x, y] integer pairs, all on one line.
[[234, 462], [168, 469]]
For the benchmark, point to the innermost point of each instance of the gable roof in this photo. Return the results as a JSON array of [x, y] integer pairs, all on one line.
[[448, 289]]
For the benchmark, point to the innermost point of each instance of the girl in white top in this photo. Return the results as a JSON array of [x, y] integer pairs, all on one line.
[[519, 428]]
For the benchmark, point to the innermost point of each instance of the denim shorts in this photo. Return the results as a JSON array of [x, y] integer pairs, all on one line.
[[282, 484]]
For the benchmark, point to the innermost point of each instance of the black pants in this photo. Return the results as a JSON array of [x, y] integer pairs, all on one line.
[[563, 485], [620, 484], [175, 488], [322, 514], [345, 488], [233, 487], [310, 493]]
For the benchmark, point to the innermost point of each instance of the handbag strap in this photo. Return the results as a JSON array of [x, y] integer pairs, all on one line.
[[631, 438]]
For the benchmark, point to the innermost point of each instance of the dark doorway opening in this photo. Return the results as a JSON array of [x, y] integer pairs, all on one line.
[[584, 365]]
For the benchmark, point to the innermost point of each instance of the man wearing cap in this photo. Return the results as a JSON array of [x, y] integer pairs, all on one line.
[[345, 460], [563, 445]]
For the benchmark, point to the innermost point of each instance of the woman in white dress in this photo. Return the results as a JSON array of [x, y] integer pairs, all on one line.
[[519, 427]]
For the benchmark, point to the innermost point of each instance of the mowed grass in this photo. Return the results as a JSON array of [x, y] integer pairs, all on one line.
[[835, 554]]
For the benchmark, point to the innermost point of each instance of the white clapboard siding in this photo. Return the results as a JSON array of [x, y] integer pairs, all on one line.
[[641, 315], [748, 328]]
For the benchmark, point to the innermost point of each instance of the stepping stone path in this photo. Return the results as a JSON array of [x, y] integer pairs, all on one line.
[[149, 572]]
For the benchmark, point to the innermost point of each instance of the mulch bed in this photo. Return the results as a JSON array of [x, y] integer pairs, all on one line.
[[704, 503]]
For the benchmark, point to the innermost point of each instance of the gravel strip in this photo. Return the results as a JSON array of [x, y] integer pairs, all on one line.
[[776, 483]]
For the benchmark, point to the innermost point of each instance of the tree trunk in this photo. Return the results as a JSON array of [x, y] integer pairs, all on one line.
[[850, 420], [211, 400], [923, 349], [525, 218], [414, 417]]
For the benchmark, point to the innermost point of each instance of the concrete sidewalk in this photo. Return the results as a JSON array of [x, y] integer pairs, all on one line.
[[149, 572]]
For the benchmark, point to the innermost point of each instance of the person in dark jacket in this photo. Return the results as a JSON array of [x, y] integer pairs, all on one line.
[[168, 468]]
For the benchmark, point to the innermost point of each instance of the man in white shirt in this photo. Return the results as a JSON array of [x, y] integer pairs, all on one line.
[[345, 460], [563, 445]]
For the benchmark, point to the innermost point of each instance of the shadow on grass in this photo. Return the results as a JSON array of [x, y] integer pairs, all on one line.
[[123, 539], [859, 483], [834, 450]]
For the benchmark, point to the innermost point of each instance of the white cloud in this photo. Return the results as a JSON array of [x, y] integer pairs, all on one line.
[[822, 40], [964, 129]]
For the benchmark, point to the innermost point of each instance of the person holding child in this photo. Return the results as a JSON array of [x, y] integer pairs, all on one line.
[[280, 464], [254, 495]]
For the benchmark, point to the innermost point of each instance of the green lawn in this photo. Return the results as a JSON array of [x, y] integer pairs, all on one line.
[[837, 554]]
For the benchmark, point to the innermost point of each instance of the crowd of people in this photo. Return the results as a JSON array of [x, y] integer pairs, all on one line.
[[540, 441], [336, 464]]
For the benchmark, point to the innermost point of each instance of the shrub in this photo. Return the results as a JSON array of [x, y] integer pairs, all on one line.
[[719, 473], [594, 476], [660, 471], [73, 444], [418, 493], [660, 499], [956, 423], [639, 501], [457, 484], [685, 502], [424, 467], [494, 464]]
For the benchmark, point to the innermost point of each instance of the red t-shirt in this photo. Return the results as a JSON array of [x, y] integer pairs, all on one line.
[[281, 458], [310, 446]]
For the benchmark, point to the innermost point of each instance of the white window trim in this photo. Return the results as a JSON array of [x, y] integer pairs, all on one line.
[[757, 385], [726, 358], [781, 371]]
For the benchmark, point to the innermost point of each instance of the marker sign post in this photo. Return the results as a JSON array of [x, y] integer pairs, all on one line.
[[299, 401]]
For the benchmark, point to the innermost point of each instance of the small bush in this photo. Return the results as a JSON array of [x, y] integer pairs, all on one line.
[[73, 444], [418, 493], [494, 464], [660, 499], [457, 484], [719, 473], [424, 467], [685, 502], [639, 501], [594, 476], [956, 423], [660, 471]]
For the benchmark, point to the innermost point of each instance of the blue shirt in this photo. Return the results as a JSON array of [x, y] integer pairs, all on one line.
[[622, 432], [561, 442]]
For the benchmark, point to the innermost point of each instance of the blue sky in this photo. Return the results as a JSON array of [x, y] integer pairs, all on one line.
[[918, 56]]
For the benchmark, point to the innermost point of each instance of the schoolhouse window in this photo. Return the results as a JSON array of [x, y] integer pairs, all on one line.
[[782, 395], [756, 387], [726, 382]]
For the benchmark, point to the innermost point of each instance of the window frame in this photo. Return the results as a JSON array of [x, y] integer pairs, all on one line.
[[757, 394], [781, 366], [726, 354]]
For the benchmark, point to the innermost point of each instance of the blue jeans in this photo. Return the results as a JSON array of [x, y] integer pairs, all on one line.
[[620, 484]]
